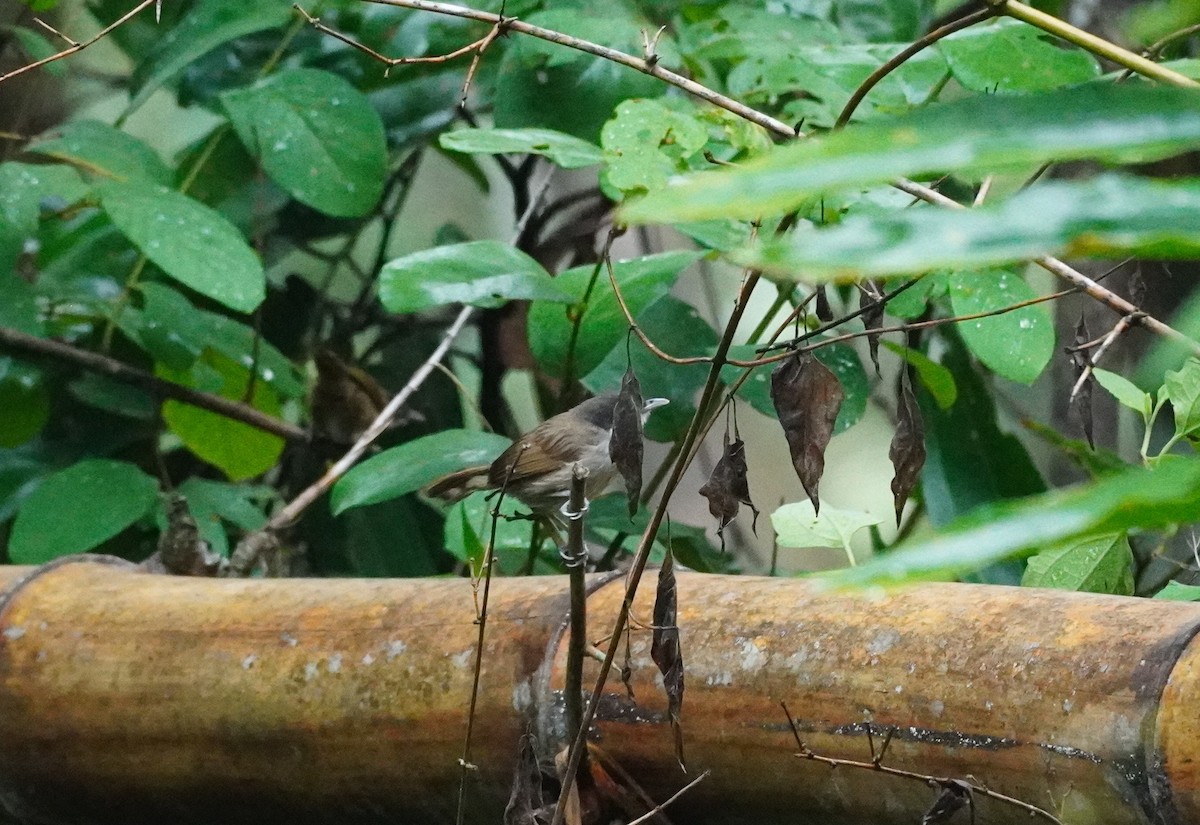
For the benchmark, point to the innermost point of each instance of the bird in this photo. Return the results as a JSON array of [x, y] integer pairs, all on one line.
[[537, 468]]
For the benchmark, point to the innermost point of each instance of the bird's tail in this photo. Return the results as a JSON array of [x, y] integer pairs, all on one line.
[[458, 485]]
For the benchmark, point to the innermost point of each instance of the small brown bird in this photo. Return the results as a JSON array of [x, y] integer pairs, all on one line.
[[538, 466]]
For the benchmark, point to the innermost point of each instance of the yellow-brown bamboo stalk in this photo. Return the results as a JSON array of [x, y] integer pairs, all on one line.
[[128, 697]]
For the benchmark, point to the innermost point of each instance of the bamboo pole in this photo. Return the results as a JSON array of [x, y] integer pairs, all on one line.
[[127, 697]]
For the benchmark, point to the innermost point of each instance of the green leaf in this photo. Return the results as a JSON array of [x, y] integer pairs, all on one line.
[[175, 332], [970, 461], [23, 187], [1108, 216], [24, 400], [317, 136], [207, 25], [566, 151], [984, 134], [1146, 498], [480, 273], [237, 449], [1011, 56], [79, 508], [413, 465], [1017, 344], [1096, 564], [1183, 388], [188, 241], [113, 397], [646, 142], [938, 380], [36, 47], [677, 328], [796, 525], [602, 325], [1125, 391], [212, 503], [99, 149], [880, 19], [841, 359], [18, 304], [1176, 592], [469, 529]]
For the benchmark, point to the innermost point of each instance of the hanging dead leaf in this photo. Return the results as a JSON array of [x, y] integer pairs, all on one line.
[[824, 310], [666, 651], [727, 487], [1083, 397], [954, 796], [526, 800], [908, 445], [807, 397], [627, 664], [181, 551], [1137, 287], [626, 445], [872, 317]]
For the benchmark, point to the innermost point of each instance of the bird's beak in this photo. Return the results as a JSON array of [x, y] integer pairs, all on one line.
[[652, 404]]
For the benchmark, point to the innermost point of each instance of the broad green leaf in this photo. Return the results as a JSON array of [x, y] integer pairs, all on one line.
[[374, 548], [79, 508], [1017, 344], [207, 25], [646, 142], [24, 400], [24, 186], [722, 236], [1125, 391], [601, 324], [1094, 461], [469, 530], [1176, 592], [546, 85], [1147, 498], [566, 151], [99, 149], [796, 525], [938, 380], [237, 449], [1096, 564], [876, 20], [829, 75], [413, 465], [1011, 56], [36, 48], [175, 332], [1108, 216], [212, 503], [317, 136], [480, 273], [738, 31], [841, 359], [113, 397], [18, 304], [984, 134], [678, 329], [970, 461], [1183, 388], [188, 241]]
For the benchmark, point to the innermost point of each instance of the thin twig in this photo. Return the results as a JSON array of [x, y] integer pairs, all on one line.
[[574, 558], [876, 764], [908, 53], [78, 47], [658, 809], [20, 342], [300, 503], [1121, 325]]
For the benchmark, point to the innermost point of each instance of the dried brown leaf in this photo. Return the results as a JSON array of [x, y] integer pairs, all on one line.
[[807, 397], [727, 487], [872, 317], [626, 446], [1083, 398], [908, 445], [823, 309], [666, 651], [181, 551], [526, 800], [954, 796], [1137, 287]]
